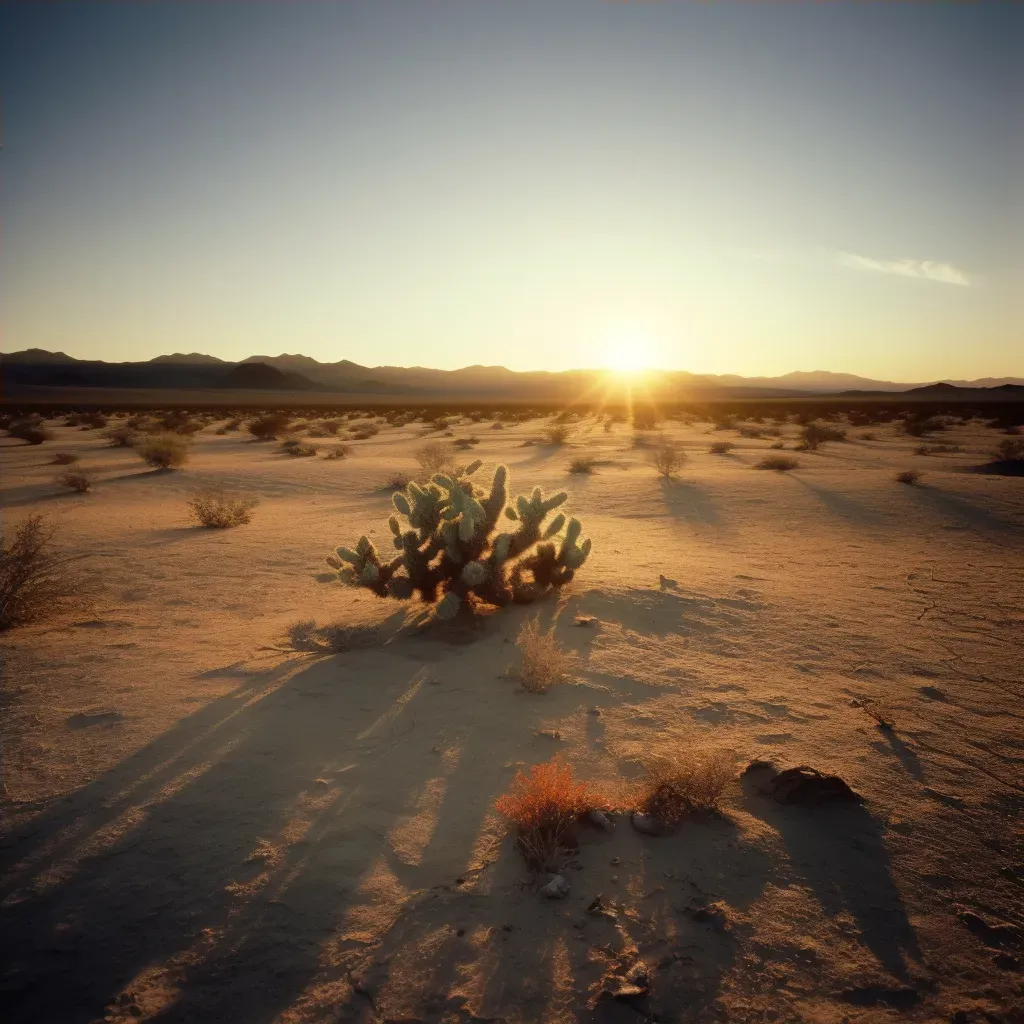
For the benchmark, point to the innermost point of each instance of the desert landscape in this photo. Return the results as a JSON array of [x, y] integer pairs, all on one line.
[[236, 788]]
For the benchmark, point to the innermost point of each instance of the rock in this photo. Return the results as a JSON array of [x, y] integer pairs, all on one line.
[[596, 712], [801, 786], [1005, 962], [615, 861], [991, 934], [598, 908], [645, 823], [556, 889], [599, 819]]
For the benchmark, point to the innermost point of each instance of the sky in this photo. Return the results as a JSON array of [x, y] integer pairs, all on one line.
[[747, 188]]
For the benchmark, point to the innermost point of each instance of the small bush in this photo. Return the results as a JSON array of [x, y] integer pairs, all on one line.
[[582, 465], [93, 421], [667, 457], [908, 476], [30, 431], [79, 480], [465, 442], [121, 436], [435, 457], [545, 804], [644, 419], [777, 445], [336, 451], [721, 447], [216, 508], [816, 434], [309, 638], [64, 458], [678, 785], [750, 432], [781, 463], [33, 581], [163, 451], [293, 446], [269, 426], [937, 449], [544, 661], [556, 433], [396, 482], [1010, 450], [918, 426]]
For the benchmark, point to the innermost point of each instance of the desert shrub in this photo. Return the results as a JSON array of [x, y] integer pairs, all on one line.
[[750, 431], [309, 638], [497, 425], [74, 420], [544, 662], [79, 480], [396, 482], [781, 463], [937, 449], [584, 464], [435, 457], [179, 423], [908, 476], [1010, 450], [30, 431], [676, 785], [232, 425], [644, 419], [93, 421], [544, 805], [667, 457], [452, 548], [269, 426], [34, 581], [555, 433], [336, 451], [331, 426], [917, 426], [721, 447], [64, 458], [162, 451], [725, 423], [293, 446], [815, 434], [121, 436], [217, 508], [465, 442], [777, 445]]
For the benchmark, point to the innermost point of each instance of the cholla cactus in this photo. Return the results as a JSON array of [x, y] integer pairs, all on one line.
[[451, 547]]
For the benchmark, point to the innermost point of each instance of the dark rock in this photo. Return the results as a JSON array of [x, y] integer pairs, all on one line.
[[801, 785]]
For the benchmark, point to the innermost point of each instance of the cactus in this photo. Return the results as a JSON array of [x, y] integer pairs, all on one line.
[[451, 550]]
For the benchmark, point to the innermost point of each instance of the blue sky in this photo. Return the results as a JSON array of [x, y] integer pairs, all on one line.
[[746, 188]]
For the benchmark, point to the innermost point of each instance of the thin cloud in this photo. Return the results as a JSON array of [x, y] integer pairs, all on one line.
[[925, 270]]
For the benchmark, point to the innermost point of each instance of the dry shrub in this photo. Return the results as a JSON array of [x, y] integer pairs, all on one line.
[[269, 426], [79, 480], [777, 445], [544, 661], [121, 436], [396, 482], [676, 785], [216, 508], [1010, 450], [30, 431], [308, 637], [34, 582], [582, 465], [162, 451], [545, 805], [293, 446], [780, 463], [908, 476], [435, 457], [557, 433], [816, 434], [667, 457], [465, 442], [721, 447], [938, 449], [64, 458], [337, 451], [644, 419]]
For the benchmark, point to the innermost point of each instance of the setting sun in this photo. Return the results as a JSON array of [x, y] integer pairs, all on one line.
[[629, 354]]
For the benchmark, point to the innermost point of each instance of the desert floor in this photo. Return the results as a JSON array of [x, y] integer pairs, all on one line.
[[202, 825]]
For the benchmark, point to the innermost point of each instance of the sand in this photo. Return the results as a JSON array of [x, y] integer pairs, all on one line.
[[202, 825]]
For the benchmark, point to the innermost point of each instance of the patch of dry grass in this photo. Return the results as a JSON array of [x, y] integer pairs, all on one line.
[[435, 457], [64, 458], [544, 661], [306, 636], [684, 782], [908, 476], [667, 457], [780, 463], [218, 509], [545, 804], [162, 451], [79, 480]]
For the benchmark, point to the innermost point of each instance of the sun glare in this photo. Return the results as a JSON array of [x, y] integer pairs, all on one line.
[[628, 355]]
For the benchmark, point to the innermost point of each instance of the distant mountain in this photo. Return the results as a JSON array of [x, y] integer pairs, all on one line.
[[194, 370], [261, 377]]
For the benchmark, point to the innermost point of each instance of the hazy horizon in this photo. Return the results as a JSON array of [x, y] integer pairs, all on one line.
[[742, 189]]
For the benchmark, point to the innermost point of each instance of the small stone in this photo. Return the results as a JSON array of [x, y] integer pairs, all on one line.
[[506, 927], [614, 878], [461, 932], [556, 889], [596, 712], [600, 820], [584, 620], [645, 823], [615, 861]]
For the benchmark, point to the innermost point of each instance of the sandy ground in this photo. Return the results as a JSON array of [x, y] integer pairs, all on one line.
[[201, 827]]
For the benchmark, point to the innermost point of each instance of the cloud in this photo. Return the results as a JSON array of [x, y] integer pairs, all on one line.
[[925, 270]]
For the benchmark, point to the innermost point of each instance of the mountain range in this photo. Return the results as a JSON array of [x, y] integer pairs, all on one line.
[[194, 370]]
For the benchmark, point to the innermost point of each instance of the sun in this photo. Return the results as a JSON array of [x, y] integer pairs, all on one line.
[[628, 355]]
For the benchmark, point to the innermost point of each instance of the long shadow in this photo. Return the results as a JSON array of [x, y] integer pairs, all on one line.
[[842, 506], [840, 853], [947, 504], [689, 502], [892, 744]]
